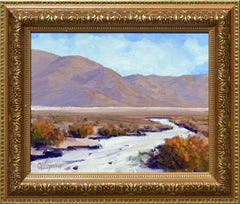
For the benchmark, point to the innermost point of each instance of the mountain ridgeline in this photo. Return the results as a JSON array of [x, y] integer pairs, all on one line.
[[81, 82]]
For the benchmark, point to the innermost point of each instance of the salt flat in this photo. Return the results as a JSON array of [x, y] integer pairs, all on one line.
[[127, 111]]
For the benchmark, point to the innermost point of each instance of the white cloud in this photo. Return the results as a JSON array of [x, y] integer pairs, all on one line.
[[144, 55], [200, 53]]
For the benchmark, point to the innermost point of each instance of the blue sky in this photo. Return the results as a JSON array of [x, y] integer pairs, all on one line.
[[165, 54]]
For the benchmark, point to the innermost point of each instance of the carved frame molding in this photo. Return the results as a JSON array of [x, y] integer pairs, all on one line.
[[221, 185]]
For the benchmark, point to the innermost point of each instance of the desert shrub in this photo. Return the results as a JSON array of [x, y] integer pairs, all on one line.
[[96, 123], [181, 154], [104, 131], [86, 130], [80, 130], [44, 133], [85, 120], [164, 127], [197, 125], [111, 130]]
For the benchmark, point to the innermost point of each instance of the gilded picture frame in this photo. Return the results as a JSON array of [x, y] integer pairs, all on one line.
[[219, 18]]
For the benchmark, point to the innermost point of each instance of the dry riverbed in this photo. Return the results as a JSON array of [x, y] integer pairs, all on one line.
[[117, 154]]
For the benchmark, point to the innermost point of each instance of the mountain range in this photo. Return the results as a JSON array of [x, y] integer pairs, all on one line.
[[79, 81]]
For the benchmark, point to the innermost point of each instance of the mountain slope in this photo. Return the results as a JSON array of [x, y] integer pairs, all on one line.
[[184, 90], [78, 81], [192, 88]]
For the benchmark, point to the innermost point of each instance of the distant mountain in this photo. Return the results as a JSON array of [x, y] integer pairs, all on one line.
[[78, 81], [184, 90]]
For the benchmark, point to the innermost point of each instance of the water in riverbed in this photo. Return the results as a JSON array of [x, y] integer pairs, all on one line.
[[118, 154]]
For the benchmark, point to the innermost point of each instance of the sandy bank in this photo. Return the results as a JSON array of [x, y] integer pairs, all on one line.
[[69, 142], [85, 142]]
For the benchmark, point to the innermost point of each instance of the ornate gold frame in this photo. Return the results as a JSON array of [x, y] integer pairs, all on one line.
[[220, 19]]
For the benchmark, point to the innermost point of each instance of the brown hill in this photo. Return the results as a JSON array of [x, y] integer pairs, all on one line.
[[192, 88], [187, 90], [78, 81]]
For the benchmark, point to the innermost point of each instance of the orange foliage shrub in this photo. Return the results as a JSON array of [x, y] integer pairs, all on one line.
[[181, 154], [44, 133], [78, 130], [111, 130]]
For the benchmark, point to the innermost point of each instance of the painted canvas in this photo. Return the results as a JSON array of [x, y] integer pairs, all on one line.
[[119, 102]]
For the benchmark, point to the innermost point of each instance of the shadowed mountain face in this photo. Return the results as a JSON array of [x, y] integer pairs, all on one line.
[[78, 81], [183, 90]]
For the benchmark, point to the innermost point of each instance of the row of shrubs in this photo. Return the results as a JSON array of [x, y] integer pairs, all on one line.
[[199, 126], [179, 154], [112, 131], [45, 133], [125, 129]]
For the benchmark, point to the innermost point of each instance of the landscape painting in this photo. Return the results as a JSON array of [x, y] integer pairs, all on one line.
[[119, 102]]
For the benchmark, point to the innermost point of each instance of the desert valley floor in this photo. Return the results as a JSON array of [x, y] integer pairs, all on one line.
[[117, 154]]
